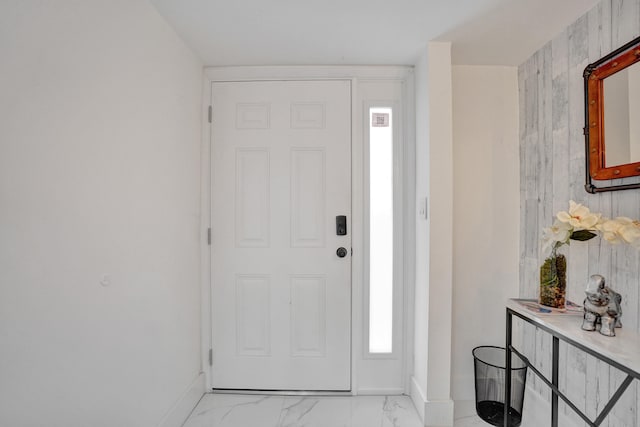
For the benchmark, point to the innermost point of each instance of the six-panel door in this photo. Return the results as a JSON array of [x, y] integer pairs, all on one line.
[[281, 173]]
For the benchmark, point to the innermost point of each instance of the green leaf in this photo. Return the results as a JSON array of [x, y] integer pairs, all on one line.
[[582, 235]]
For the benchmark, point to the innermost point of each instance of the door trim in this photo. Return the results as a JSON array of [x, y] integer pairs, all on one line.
[[354, 74]]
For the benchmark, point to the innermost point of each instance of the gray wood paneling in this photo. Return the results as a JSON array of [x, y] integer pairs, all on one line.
[[552, 173]]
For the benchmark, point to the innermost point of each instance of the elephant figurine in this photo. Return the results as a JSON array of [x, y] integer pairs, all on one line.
[[601, 306]]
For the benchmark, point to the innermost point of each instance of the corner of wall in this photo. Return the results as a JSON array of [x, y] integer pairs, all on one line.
[[418, 397], [183, 407], [440, 278], [437, 413], [421, 297]]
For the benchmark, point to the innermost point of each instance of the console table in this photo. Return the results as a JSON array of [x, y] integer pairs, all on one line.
[[621, 351]]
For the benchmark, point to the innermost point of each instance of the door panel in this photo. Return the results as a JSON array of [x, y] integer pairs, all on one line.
[[281, 173]]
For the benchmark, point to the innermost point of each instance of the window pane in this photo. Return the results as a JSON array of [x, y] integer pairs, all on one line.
[[380, 231]]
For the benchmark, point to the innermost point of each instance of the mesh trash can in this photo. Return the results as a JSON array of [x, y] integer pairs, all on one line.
[[489, 368]]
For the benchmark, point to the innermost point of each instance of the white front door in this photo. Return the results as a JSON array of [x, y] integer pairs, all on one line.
[[281, 174]]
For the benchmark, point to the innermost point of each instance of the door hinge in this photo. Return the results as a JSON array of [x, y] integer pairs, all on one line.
[[210, 357], [210, 114], [209, 236]]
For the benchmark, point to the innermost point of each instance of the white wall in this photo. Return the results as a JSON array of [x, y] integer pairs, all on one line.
[[99, 175], [430, 390], [421, 295], [486, 207], [439, 409]]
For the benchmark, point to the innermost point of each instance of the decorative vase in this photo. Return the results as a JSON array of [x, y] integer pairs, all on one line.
[[553, 280]]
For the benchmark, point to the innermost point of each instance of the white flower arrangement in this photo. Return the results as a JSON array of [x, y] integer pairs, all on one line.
[[579, 223]]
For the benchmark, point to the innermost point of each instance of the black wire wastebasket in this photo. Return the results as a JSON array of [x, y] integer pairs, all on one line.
[[489, 368]]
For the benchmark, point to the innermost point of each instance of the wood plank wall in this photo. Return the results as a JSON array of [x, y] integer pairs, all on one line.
[[552, 173]]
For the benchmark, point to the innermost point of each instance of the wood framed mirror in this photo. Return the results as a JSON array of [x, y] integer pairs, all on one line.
[[612, 116]]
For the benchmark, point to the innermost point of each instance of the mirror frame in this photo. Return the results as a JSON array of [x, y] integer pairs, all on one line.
[[594, 76]]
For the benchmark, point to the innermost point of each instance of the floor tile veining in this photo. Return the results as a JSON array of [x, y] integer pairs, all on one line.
[[233, 410], [293, 413]]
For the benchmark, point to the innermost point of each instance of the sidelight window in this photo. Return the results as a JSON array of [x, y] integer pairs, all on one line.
[[381, 241]]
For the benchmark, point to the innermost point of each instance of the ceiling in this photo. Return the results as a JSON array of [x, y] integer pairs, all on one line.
[[340, 32]]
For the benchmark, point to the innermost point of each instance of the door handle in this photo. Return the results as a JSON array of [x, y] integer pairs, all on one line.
[[341, 252]]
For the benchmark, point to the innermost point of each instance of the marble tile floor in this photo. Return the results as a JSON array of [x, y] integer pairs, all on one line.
[[465, 415], [232, 410], [235, 410]]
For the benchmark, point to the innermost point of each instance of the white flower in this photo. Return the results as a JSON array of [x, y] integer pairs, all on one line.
[[579, 217], [621, 230], [629, 231], [579, 223], [610, 230], [558, 233]]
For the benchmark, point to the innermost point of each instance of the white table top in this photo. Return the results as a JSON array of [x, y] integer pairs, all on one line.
[[623, 349]]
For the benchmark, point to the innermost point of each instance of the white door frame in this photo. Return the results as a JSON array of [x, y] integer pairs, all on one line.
[[355, 74]]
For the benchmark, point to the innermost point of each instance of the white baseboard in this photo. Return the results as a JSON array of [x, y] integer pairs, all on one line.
[[418, 397], [180, 410], [438, 413], [433, 413]]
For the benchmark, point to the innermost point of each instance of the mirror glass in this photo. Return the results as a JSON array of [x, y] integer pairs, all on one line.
[[621, 93]]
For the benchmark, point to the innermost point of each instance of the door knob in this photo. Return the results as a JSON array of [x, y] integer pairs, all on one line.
[[341, 252]]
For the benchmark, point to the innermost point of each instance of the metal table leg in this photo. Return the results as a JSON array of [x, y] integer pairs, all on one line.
[[554, 381], [507, 364]]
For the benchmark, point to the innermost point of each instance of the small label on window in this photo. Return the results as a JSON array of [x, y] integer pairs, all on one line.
[[380, 120]]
